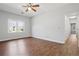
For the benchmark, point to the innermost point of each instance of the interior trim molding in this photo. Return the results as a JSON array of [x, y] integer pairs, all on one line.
[[43, 38], [14, 38]]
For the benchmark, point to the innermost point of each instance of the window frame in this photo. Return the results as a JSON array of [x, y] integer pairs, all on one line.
[[16, 26]]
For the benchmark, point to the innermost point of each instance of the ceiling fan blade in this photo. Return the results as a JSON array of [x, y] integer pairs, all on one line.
[[24, 6], [26, 10], [33, 9], [30, 3], [35, 5]]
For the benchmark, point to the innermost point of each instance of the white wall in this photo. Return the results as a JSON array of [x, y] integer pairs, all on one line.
[[67, 27], [49, 26], [52, 25], [4, 35]]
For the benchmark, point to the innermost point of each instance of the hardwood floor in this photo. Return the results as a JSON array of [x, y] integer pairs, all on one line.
[[71, 46], [37, 47], [30, 46]]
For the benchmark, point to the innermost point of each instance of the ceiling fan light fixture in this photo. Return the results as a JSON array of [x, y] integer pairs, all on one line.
[[29, 8]]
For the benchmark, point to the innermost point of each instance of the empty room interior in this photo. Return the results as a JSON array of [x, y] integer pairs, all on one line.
[[39, 29]]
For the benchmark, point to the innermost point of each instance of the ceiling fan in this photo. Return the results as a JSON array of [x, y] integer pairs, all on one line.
[[31, 6]]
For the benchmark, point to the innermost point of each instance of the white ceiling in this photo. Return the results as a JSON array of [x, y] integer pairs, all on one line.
[[17, 8]]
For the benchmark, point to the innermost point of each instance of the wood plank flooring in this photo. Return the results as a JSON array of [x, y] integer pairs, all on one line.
[[37, 47], [30, 46], [71, 46]]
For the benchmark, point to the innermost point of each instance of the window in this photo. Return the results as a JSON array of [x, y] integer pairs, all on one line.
[[11, 26], [15, 26], [20, 26]]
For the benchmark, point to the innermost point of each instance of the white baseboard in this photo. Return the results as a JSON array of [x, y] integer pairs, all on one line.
[[48, 39], [34, 37], [12, 38], [5, 39]]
